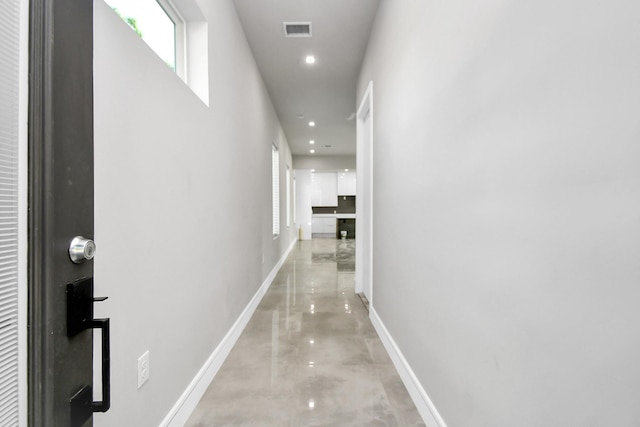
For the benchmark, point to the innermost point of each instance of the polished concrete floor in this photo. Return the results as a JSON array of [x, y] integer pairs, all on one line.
[[309, 356]]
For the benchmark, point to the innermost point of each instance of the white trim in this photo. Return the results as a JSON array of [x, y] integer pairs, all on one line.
[[425, 406], [179, 414], [364, 202], [180, 31]]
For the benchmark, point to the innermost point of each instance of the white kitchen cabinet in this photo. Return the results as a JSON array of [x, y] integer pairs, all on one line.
[[330, 190], [346, 184], [323, 225], [324, 189], [316, 194], [329, 226]]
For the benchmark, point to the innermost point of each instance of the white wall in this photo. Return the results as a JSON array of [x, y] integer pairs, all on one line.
[[507, 208], [183, 206]]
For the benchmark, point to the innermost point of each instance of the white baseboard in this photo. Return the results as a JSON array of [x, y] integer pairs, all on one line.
[[423, 403], [179, 414]]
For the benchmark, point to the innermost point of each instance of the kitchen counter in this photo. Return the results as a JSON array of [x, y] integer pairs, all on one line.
[[336, 215], [334, 224]]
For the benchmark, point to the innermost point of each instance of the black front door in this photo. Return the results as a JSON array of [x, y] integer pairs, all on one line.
[[60, 366]]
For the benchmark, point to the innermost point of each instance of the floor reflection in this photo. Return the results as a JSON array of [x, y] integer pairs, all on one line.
[[338, 251], [346, 255], [309, 355]]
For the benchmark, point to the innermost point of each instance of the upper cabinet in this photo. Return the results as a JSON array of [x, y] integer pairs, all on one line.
[[327, 186], [346, 183], [324, 189]]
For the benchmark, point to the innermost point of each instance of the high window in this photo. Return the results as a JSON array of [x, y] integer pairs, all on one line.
[[159, 24], [172, 32]]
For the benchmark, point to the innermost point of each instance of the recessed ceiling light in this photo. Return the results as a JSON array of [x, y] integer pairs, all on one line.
[[313, 170], [346, 170], [312, 142], [312, 151], [312, 124], [310, 59]]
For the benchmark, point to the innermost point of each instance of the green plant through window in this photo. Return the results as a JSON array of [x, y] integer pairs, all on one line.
[[131, 21], [152, 23]]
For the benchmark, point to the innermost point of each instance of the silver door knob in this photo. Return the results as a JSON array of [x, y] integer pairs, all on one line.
[[81, 249]]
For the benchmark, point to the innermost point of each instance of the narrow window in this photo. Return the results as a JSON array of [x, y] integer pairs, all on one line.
[[288, 196], [275, 188], [293, 203]]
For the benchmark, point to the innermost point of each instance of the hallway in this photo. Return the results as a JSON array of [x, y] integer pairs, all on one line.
[[309, 356]]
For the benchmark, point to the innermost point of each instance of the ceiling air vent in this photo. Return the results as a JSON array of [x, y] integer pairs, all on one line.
[[297, 29]]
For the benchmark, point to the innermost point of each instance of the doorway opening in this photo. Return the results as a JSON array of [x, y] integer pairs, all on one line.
[[364, 201]]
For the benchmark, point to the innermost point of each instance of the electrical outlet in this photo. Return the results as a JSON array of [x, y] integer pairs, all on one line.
[[143, 369]]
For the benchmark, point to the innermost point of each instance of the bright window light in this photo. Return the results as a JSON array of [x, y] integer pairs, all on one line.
[[293, 202], [153, 24], [288, 185]]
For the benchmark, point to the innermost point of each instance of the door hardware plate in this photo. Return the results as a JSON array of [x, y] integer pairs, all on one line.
[[80, 306], [81, 409]]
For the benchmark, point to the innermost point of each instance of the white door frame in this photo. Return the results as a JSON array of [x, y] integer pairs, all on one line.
[[364, 201]]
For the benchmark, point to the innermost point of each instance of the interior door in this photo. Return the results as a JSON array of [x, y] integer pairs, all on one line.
[[367, 216], [61, 208]]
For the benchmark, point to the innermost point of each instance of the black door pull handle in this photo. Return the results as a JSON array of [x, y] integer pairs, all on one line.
[[80, 301], [103, 405]]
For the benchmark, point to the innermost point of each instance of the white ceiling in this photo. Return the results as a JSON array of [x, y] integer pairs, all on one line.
[[324, 92]]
